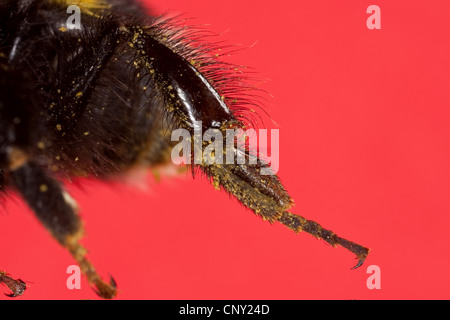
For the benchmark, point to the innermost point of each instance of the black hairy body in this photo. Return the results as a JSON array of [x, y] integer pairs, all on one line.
[[103, 99]]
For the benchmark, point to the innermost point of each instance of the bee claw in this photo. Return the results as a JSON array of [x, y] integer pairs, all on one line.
[[112, 282], [10, 295], [360, 262], [104, 290], [17, 287]]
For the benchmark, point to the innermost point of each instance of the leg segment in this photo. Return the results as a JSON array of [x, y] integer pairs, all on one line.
[[57, 211], [17, 287], [298, 223]]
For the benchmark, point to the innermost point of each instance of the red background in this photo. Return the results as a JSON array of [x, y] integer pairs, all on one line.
[[364, 129]]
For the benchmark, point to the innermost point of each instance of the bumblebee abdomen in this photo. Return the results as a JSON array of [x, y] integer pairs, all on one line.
[[104, 113]]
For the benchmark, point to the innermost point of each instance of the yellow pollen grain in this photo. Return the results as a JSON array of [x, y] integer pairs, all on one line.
[[58, 127], [43, 188]]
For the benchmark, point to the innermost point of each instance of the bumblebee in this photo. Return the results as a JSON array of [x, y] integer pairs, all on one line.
[[102, 99]]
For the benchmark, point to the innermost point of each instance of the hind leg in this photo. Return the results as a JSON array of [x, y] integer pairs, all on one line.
[[193, 102], [57, 211]]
